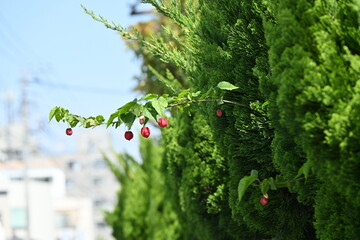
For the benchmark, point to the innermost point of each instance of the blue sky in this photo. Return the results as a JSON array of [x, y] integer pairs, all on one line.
[[70, 60]]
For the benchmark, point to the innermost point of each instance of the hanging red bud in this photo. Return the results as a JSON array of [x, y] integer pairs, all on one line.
[[145, 132], [163, 122]]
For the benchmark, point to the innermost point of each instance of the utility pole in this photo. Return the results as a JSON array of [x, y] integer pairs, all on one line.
[[8, 98], [25, 151]]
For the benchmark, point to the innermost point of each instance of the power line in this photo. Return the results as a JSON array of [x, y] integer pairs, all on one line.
[[92, 89], [13, 39]]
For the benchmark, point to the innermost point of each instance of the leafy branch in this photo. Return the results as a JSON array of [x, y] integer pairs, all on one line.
[[150, 107], [271, 183]]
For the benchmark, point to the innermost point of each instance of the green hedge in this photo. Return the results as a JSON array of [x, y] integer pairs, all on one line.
[[297, 66]]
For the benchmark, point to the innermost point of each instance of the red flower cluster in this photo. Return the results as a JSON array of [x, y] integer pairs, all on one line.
[[145, 131]]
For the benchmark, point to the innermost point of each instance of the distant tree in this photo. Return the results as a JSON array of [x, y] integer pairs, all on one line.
[[142, 211], [152, 65]]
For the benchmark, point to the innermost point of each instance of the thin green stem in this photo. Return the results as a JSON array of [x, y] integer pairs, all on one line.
[[215, 100]]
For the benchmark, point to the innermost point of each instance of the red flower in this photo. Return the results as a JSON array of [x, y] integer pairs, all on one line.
[[128, 135], [264, 201], [163, 122], [145, 132], [69, 131]]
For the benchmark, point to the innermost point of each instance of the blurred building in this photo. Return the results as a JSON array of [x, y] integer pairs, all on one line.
[[57, 197], [88, 176]]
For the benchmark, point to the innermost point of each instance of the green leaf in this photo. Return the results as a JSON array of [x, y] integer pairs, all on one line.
[[100, 119], [82, 121], [244, 183], [183, 93], [111, 118], [90, 122], [305, 169], [281, 182], [138, 109], [160, 105], [128, 119], [196, 94], [69, 118], [150, 112], [53, 112], [59, 115], [127, 107], [254, 173], [272, 184], [74, 123], [204, 95], [265, 184], [226, 86], [149, 96], [163, 102]]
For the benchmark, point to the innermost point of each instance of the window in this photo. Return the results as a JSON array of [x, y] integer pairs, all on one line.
[[63, 220], [43, 179], [69, 183], [18, 218], [99, 202], [66, 218], [99, 163], [98, 180], [74, 165], [101, 224]]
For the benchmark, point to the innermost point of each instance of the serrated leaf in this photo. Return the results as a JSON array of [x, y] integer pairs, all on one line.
[[305, 169], [59, 116], [163, 102], [265, 186], [281, 182], [183, 93], [149, 112], [244, 183], [195, 94], [52, 112], [90, 122], [128, 119], [138, 109], [160, 105], [254, 173], [127, 107], [69, 118], [74, 123], [82, 121], [226, 86], [111, 118], [100, 119], [149, 96], [272, 184], [204, 95]]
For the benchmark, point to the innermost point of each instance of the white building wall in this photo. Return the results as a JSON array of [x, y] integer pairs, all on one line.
[[41, 210]]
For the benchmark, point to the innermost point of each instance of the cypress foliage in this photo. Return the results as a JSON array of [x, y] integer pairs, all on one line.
[[143, 211], [297, 67], [314, 58], [229, 45], [196, 176], [234, 50]]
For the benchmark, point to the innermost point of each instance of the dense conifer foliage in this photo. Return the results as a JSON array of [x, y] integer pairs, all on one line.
[[291, 125], [143, 211]]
